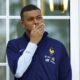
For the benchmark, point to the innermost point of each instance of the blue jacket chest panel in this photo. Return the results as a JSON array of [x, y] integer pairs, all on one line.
[[44, 64], [48, 63]]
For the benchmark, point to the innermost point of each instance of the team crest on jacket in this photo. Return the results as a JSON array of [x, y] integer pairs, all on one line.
[[51, 51], [50, 57]]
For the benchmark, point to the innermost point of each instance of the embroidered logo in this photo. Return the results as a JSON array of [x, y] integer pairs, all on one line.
[[50, 59], [21, 50], [51, 51]]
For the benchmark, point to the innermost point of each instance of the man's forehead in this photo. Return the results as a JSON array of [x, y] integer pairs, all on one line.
[[32, 13]]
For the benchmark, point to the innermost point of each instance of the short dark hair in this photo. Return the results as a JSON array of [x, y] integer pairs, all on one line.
[[28, 8]]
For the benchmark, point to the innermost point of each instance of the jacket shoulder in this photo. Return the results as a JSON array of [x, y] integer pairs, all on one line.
[[55, 41], [16, 41]]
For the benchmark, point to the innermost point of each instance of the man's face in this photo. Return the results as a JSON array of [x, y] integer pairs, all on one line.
[[31, 18]]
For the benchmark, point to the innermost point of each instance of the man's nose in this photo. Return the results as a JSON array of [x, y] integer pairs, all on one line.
[[35, 21]]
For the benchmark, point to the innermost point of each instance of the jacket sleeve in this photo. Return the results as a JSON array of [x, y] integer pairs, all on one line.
[[20, 63], [65, 72], [25, 59], [12, 56]]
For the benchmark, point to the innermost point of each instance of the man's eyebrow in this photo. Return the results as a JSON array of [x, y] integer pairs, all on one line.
[[35, 16], [39, 15]]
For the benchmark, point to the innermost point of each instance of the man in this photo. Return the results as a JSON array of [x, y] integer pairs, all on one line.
[[35, 56]]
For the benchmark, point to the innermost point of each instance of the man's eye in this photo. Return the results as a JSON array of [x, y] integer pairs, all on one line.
[[30, 19], [39, 17]]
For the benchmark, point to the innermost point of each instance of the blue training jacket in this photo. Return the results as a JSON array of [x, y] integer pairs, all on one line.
[[50, 61]]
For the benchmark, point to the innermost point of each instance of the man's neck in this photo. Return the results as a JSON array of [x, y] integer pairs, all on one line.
[[28, 33]]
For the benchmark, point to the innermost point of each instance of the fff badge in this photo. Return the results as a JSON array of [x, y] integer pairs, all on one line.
[[50, 58]]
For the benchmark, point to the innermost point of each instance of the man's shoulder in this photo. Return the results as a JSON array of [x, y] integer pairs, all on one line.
[[52, 40], [16, 41], [55, 42]]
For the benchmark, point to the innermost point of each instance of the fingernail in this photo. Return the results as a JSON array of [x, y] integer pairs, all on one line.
[[43, 24], [34, 25]]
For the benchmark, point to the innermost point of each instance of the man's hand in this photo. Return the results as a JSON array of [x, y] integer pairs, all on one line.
[[37, 33]]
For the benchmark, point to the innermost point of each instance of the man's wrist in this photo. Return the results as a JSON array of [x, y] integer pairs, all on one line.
[[34, 42]]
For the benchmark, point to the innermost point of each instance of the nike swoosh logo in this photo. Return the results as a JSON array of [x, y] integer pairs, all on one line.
[[21, 50]]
